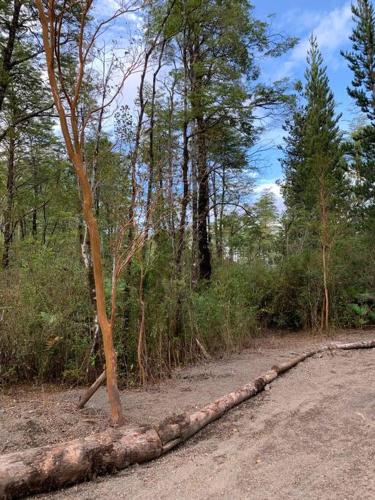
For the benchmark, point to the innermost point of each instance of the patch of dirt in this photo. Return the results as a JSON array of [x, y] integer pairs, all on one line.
[[310, 436]]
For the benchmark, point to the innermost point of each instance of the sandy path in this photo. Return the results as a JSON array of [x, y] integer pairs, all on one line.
[[37, 416], [311, 436]]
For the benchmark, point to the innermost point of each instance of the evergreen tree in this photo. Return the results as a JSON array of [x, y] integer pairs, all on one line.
[[313, 165], [361, 61], [293, 161]]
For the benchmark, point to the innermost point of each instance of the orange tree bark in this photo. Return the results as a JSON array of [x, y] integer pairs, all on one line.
[[74, 147]]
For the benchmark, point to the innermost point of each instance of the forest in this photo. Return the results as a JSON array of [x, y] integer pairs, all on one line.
[[133, 236]]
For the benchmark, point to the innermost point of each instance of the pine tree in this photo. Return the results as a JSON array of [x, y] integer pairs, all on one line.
[[293, 161], [322, 136], [313, 165], [361, 61]]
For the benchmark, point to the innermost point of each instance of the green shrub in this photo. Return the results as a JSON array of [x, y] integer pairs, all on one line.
[[45, 324]]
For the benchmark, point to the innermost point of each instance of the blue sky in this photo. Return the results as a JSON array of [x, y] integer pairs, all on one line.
[[331, 22]]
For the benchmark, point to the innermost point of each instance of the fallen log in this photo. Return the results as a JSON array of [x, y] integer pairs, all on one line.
[[366, 344], [91, 390], [49, 467], [284, 367]]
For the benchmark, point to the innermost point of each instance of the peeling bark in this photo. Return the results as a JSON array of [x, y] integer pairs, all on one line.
[[52, 467]]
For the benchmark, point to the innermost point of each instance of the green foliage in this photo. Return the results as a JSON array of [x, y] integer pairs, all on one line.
[[45, 316], [361, 60], [361, 146], [312, 153], [197, 128], [224, 315]]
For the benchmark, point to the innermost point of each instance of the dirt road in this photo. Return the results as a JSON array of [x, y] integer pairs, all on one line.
[[311, 436]]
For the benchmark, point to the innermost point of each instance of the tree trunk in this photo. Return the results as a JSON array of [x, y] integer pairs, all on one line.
[[34, 222], [94, 324], [133, 174], [171, 222], [194, 228], [8, 214], [177, 322], [51, 467], [204, 254], [325, 254], [221, 214], [141, 344], [216, 216], [8, 49], [185, 168], [106, 325], [45, 224]]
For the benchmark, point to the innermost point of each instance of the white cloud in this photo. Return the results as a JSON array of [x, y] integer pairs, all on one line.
[[272, 187], [331, 31], [131, 15], [268, 186], [301, 19]]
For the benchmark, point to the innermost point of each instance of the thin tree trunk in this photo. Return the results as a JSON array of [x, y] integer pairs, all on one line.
[[216, 217], [170, 174], [151, 173], [8, 49], [133, 174], [204, 254], [141, 346], [325, 311], [194, 229], [45, 224], [221, 216], [106, 325], [34, 222], [185, 170], [74, 146], [8, 215], [325, 256], [85, 246], [94, 324]]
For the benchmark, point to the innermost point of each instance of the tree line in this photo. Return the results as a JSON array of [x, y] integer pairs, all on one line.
[[129, 241]]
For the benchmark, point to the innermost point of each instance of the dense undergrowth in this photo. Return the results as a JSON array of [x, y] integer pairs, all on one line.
[[46, 326]]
